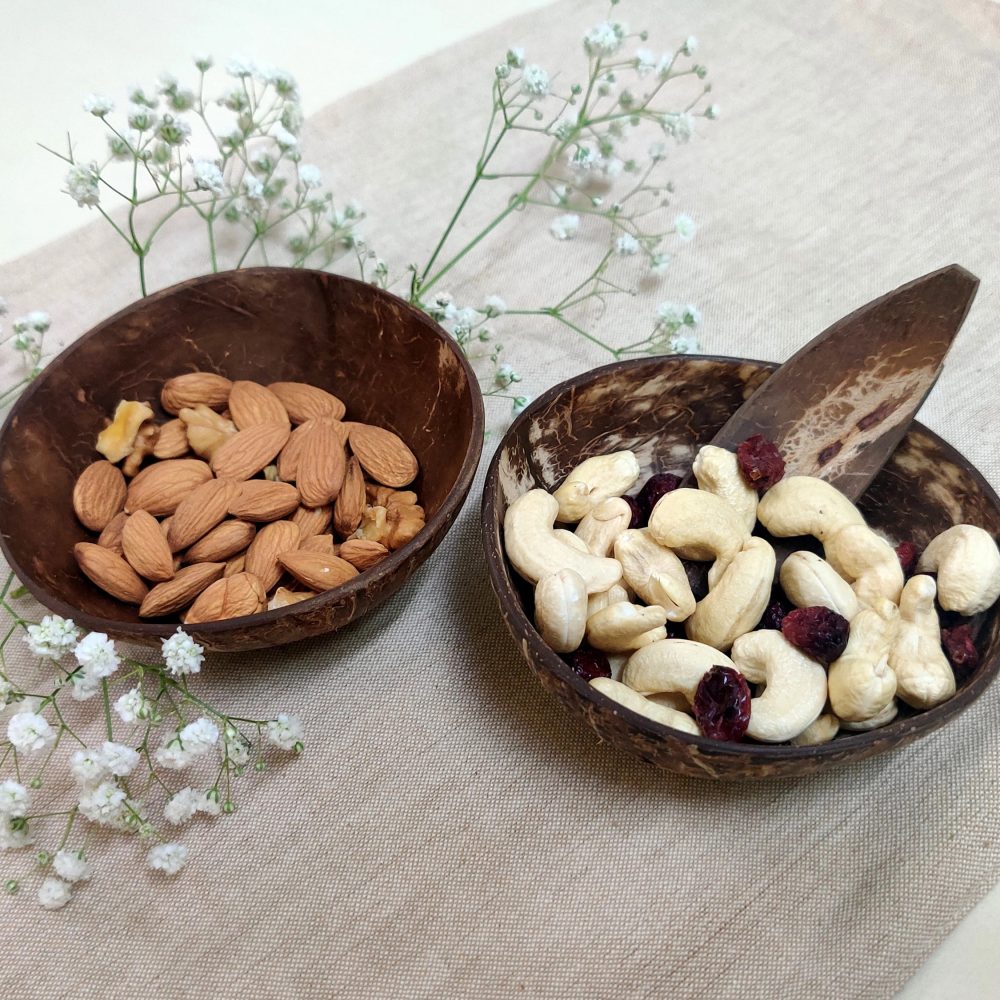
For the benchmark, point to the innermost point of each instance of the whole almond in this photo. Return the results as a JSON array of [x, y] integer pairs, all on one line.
[[283, 597], [317, 571], [319, 543], [160, 488], [222, 542], [111, 536], [235, 564], [260, 500], [194, 388], [288, 460], [200, 511], [186, 585], [99, 494], [313, 520], [362, 553], [247, 452], [350, 504], [146, 550], [383, 455], [165, 526], [322, 466], [251, 404], [305, 402], [230, 597], [110, 572], [262, 556], [173, 440]]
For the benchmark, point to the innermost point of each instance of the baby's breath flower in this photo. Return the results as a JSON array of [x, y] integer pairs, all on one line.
[[657, 152], [690, 45], [237, 746], [203, 61], [713, 111], [626, 245], [566, 125], [520, 404], [679, 125], [167, 858], [534, 81], [669, 315], [173, 756], [692, 317], [199, 735], [685, 228], [495, 306], [235, 99], [54, 637], [84, 685], [173, 131], [118, 759], [29, 733], [186, 803], [139, 95], [181, 100], [182, 654], [133, 705], [87, 766], [96, 653], [284, 138], [54, 893], [119, 148], [515, 57], [238, 66], [104, 804], [645, 61], [310, 176], [291, 117], [659, 263], [283, 82], [559, 195], [15, 800], [208, 177], [142, 118], [81, 184], [97, 105], [605, 39], [71, 866], [6, 692], [286, 731], [564, 227], [680, 344], [14, 834], [505, 375]]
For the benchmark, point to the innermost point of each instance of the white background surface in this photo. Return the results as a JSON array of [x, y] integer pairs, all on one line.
[[58, 51]]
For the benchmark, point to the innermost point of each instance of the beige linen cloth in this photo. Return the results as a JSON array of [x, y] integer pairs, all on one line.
[[450, 831]]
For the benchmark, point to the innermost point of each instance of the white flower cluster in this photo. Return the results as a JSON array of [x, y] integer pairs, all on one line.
[[188, 744], [182, 654], [53, 637], [98, 660], [188, 802], [605, 39]]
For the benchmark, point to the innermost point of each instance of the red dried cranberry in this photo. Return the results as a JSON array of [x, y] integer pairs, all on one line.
[[907, 553], [655, 487], [818, 631], [697, 574], [639, 516], [960, 649], [589, 663], [760, 462], [722, 704], [775, 613]]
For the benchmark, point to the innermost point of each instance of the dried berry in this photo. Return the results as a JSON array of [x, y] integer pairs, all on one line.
[[589, 663], [760, 462], [639, 516], [818, 631], [722, 704], [776, 612], [960, 649], [907, 553], [655, 487], [697, 574]]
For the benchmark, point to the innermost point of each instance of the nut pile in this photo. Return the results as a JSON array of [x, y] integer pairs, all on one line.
[[252, 498], [832, 644]]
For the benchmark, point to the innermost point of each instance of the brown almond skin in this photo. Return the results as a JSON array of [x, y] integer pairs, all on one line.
[[111, 536], [288, 460], [322, 466], [247, 452], [319, 543], [350, 504], [306, 402], [316, 571], [235, 565], [223, 542], [175, 594], [251, 404], [231, 597], [110, 572], [172, 441], [313, 520], [383, 455], [145, 548], [362, 553], [260, 500], [160, 488], [262, 556], [188, 390], [99, 494], [200, 511]]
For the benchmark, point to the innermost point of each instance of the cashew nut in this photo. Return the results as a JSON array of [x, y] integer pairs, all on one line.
[[627, 698], [654, 573], [622, 626], [867, 561], [795, 694], [810, 582], [601, 526], [876, 722], [736, 602], [614, 594], [594, 481], [672, 665], [561, 609], [821, 731], [924, 676], [570, 539], [967, 563], [535, 551], [861, 682], [718, 471], [669, 699], [805, 505]]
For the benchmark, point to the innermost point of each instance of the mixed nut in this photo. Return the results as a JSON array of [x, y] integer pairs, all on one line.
[[832, 644], [251, 498]]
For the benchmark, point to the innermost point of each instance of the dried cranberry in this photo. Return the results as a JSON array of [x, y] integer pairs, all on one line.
[[907, 553], [818, 631], [722, 704], [697, 574], [760, 462], [639, 516], [775, 613], [655, 487], [589, 663], [960, 649]]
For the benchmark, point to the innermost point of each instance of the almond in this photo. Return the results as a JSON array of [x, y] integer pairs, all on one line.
[[313, 520], [317, 571], [200, 511], [305, 402], [110, 572], [193, 389], [288, 460], [230, 597], [350, 505], [160, 488], [165, 526], [186, 585], [383, 455], [362, 553], [259, 500], [247, 452], [322, 466], [173, 440], [111, 536], [146, 550], [99, 494], [222, 542], [235, 565], [250, 404], [262, 556], [283, 597], [319, 543]]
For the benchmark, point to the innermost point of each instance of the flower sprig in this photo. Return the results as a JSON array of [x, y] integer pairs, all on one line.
[[27, 338]]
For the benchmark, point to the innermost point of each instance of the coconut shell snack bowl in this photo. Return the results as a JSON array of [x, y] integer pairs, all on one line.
[[663, 410], [390, 365]]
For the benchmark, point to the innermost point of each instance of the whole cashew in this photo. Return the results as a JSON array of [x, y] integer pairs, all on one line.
[[924, 676], [861, 682], [614, 594], [561, 609], [810, 582], [654, 573], [535, 551], [967, 563], [593, 482], [601, 526], [717, 471], [737, 600], [805, 505], [821, 731], [570, 539], [670, 699], [621, 627], [796, 685], [627, 698], [876, 722], [672, 665], [867, 561]]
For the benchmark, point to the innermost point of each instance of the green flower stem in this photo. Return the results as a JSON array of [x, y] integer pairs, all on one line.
[[106, 698], [71, 819]]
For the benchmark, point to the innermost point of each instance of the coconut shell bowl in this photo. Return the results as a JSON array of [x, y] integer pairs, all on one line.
[[390, 364], [664, 409]]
